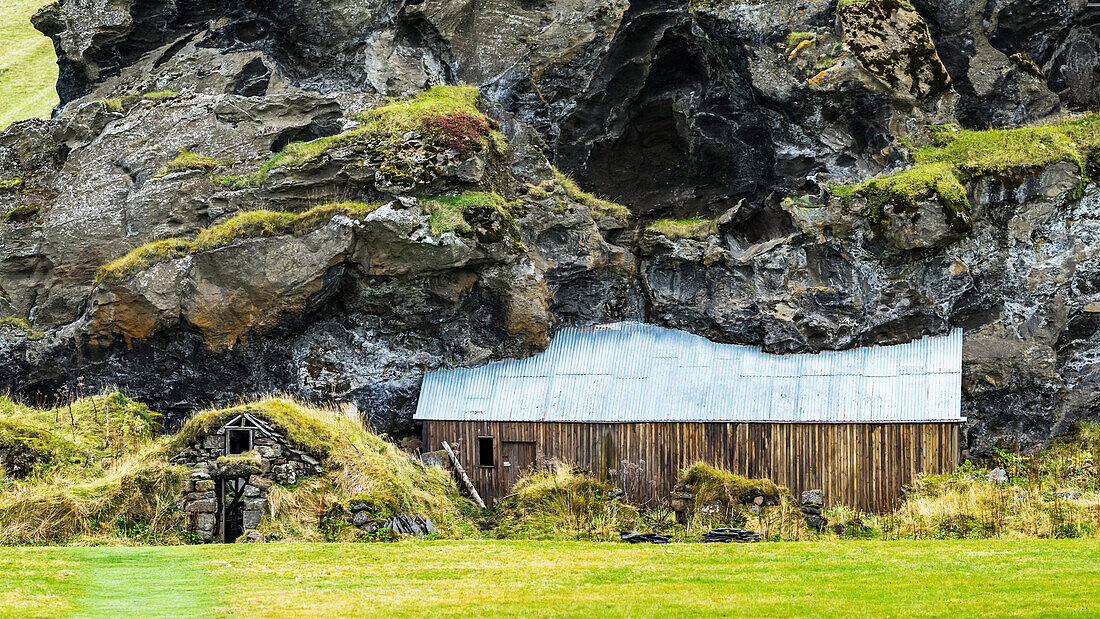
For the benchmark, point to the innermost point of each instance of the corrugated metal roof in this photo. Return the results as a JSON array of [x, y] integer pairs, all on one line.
[[638, 372]]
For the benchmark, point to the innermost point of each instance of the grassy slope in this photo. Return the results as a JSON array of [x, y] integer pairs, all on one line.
[[28, 66], [481, 578]]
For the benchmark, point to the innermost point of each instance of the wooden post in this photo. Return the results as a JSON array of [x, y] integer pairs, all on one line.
[[465, 478]]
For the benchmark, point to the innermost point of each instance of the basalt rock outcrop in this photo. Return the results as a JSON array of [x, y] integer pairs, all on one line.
[[385, 258]]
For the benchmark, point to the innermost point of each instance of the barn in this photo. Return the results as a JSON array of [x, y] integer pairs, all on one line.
[[635, 403]]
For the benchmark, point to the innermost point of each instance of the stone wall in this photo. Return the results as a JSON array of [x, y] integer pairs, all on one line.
[[273, 459]]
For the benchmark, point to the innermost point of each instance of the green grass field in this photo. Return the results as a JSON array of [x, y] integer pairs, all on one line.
[[482, 578], [28, 66]]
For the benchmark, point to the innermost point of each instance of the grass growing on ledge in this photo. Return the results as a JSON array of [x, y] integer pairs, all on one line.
[[249, 225], [691, 228], [448, 214], [905, 189], [1004, 151], [795, 38], [24, 325], [142, 257], [447, 113], [187, 160], [12, 183], [600, 208], [957, 155], [160, 95]]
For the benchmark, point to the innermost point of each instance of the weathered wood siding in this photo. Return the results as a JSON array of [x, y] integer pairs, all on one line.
[[861, 465]]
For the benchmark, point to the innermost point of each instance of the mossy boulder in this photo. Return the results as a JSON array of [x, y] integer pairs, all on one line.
[[723, 494], [26, 448], [891, 41]]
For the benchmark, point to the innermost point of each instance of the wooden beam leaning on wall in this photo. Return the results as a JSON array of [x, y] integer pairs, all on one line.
[[462, 474]]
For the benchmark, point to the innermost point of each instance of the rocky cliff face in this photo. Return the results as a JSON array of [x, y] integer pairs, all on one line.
[[226, 201]]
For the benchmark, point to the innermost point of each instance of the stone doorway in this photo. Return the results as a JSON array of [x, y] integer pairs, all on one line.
[[232, 508]]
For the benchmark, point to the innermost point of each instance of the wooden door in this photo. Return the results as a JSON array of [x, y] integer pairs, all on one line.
[[516, 460]]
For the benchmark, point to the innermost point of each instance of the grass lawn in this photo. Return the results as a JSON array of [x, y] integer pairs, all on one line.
[[28, 65], [481, 578]]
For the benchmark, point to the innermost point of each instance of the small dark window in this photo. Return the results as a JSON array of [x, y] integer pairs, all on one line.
[[240, 441], [485, 451]]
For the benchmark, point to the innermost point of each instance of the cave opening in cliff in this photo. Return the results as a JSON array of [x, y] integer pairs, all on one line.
[[678, 134]]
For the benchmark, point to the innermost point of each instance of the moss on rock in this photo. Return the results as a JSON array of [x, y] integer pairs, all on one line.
[[24, 325], [187, 160], [248, 225], [956, 155], [903, 192], [690, 228], [448, 115], [23, 212]]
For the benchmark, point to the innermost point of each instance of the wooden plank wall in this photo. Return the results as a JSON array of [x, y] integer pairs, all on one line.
[[861, 465]]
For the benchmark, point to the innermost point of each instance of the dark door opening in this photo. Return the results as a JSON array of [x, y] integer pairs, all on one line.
[[232, 499]]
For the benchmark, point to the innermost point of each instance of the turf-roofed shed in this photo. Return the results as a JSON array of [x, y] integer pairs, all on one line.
[[237, 454], [637, 403]]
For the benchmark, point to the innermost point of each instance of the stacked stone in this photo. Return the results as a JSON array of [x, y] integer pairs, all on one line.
[[409, 524], [276, 461], [277, 458], [200, 503], [361, 518], [811, 509], [255, 500]]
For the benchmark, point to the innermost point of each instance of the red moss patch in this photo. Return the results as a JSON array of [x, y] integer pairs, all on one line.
[[460, 131]]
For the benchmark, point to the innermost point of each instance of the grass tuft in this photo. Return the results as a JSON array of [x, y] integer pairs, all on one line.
[[692, 228], [600, 208], [187, 160], [562, 503]]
